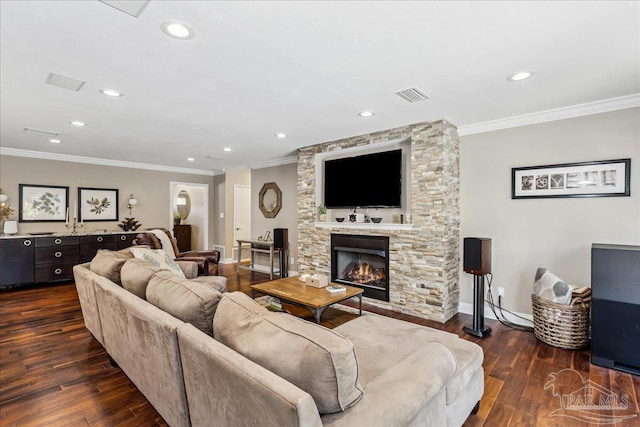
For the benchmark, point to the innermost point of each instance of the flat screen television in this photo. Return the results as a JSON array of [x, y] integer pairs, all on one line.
[[368, 180]]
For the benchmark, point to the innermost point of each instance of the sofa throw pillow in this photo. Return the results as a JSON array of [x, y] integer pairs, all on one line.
[[108, 264], [314, 358], [551, 288], [189, 301], [159, 258], [135, 275]]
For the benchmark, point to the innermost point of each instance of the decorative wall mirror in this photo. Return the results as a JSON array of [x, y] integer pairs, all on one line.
[[183, 204], [270, 200]]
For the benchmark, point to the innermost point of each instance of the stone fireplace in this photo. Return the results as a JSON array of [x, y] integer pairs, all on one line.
[[423, 260]]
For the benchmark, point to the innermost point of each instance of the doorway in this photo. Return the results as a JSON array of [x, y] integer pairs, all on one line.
[[241, 212], [198, 217]]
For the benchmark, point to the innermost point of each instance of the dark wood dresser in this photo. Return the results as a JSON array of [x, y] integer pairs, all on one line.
[[42, 259], [182, 233]]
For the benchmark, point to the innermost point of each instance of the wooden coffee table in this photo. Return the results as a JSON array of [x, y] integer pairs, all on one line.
[[292, 290]]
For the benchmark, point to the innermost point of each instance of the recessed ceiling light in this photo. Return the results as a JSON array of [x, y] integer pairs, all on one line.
[[281, 135], [177, 30], [520, 75], [77, 123], [226, 149], [111, 92], [55, 140], [366, 113], [191, 159]]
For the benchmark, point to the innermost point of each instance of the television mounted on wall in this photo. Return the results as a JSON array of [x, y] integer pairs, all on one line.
[[365, 181]]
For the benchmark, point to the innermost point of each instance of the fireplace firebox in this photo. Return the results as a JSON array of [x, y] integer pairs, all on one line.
[[361, 261]]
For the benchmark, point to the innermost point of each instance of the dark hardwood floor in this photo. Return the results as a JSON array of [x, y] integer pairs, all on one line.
[[54, 373]]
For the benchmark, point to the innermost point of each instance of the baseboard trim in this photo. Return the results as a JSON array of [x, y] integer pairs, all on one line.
[[467, 308]]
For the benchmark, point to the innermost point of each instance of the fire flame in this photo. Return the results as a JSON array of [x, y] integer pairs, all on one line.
[[364, 273]]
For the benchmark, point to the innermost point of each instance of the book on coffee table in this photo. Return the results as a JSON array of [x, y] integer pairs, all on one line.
[[336, 288]]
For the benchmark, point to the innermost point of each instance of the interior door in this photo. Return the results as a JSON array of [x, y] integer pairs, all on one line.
[[241, 212]]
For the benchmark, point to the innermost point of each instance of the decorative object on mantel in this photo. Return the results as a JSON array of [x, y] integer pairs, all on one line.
[[322, 213], [131, 203], [376, 219], [604, 178], [340, 219], [129, 224]]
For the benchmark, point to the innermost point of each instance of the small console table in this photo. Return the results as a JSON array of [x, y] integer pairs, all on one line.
[[257, 246]]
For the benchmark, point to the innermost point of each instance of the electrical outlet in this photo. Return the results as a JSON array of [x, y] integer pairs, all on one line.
[[501, 292]]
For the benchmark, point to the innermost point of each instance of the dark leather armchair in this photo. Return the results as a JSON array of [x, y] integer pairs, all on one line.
[[207, 260]]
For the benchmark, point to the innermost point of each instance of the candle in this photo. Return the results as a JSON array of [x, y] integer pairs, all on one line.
[[67, 216], [75, 210]]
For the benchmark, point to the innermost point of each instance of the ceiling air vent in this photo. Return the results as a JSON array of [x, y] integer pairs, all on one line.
[[64, 82], [214, 157], [412, 95]]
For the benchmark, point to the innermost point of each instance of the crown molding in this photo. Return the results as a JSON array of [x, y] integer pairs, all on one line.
[[103, 162], [603, 106], [276, 162]]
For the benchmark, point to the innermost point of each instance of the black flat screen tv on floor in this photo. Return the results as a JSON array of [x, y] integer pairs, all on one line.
[[365, 181]]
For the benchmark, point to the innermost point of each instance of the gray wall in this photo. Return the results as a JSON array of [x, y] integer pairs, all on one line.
[[151, 188], [553, 233], [286, 177]]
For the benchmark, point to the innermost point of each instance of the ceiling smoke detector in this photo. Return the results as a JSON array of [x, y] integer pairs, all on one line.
[[412, 94]]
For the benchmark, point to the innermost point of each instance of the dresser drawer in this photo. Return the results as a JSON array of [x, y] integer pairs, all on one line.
[[98, 239], [88, 251], [124, 240], [56, 254], [42, 242], [51, 272]]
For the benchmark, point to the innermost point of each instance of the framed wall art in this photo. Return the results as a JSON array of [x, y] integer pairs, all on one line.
[[97, 204], [43, 203], [603, 178]]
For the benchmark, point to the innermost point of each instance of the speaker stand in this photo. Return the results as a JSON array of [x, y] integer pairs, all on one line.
[[478, 329]]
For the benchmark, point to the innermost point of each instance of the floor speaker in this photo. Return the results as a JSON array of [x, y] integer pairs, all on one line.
[[615, 307], [281, 238], [477, 261], [477, 255]]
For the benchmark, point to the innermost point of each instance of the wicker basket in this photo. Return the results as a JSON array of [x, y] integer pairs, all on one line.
[[559, 325]]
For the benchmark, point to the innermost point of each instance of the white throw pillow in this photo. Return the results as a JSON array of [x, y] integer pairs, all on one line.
[[159, 258], [550, 287]]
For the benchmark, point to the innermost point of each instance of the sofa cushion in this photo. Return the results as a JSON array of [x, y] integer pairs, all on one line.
[[108, 264], [159, 258], [185, 299], [219, 283], [312, 357], [135, 276]]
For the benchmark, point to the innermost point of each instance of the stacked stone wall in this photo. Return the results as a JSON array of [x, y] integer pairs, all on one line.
[[424, 260]]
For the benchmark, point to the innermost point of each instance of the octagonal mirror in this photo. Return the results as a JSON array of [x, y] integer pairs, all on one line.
[[270, 200]]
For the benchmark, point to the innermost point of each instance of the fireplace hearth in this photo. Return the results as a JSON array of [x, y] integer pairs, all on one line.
[[361, 261]]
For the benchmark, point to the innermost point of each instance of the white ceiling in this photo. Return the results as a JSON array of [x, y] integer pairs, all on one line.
[[303, 68]]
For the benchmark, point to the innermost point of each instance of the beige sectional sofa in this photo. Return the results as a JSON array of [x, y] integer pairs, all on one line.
[[271, 369]]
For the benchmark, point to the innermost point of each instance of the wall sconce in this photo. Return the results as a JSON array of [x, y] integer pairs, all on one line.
[[132, 202]]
